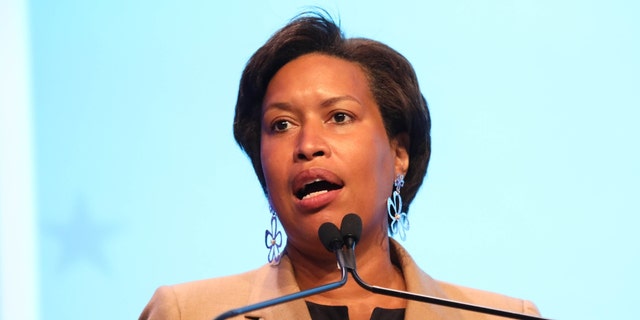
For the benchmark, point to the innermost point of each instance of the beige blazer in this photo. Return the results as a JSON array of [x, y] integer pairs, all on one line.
[[206, 299]]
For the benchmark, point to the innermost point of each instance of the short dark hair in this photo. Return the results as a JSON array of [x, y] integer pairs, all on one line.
[[391, 77]]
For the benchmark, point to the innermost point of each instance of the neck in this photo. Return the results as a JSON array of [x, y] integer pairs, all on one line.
[[374, 266]]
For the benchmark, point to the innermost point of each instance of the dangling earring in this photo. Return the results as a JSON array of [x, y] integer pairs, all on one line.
[[273, 239], [399, 219]]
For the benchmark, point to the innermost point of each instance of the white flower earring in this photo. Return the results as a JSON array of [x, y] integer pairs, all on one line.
[[399, 219], [273, 239]]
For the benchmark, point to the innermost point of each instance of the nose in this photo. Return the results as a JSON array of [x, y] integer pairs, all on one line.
[[311, 143]]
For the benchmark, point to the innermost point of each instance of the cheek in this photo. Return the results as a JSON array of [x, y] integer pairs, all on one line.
[[376, 164], [384, 161], [267, 165], [386, 170], [273, 163]]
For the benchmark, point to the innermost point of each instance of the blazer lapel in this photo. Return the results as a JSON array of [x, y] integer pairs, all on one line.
[[417, 281], [276, 281]]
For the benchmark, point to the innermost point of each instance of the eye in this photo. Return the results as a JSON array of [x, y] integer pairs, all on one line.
[[280, 126], [341, 117]]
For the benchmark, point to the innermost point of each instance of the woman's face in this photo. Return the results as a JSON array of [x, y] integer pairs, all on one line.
[[325, 151]]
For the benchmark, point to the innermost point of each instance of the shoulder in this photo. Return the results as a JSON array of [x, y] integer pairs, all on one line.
[[488, 299], [202, 299], [420, 282]]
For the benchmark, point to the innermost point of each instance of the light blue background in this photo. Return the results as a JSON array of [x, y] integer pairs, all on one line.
[[532, 190]]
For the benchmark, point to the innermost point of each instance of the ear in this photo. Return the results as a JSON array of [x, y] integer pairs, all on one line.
[[400, 146]]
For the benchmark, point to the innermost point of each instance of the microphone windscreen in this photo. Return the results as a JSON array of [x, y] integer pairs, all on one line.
[[330, 236], [351, 227]]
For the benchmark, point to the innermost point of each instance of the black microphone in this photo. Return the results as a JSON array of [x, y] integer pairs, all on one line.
[[331, 238], [351, 230]]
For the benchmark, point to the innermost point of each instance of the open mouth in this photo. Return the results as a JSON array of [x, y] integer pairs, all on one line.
[[315, 188]]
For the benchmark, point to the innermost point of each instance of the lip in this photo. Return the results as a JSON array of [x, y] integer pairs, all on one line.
[[317, 201]]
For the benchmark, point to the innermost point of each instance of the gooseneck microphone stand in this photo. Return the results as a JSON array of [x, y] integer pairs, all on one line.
[[351, 229], [348, 235], [438, 301]]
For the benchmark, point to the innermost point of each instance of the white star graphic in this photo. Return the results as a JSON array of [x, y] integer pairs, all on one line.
[[83, 239]]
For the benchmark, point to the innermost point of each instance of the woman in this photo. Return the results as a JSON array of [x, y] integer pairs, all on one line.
[[332, 126]]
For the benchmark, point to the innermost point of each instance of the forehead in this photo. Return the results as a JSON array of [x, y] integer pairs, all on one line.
[[320, 74]]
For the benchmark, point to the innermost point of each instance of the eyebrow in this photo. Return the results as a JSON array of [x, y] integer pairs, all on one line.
[[334, 100], [326, 103]]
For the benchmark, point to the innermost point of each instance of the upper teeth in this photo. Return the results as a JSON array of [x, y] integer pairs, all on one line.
[[316, 180]]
